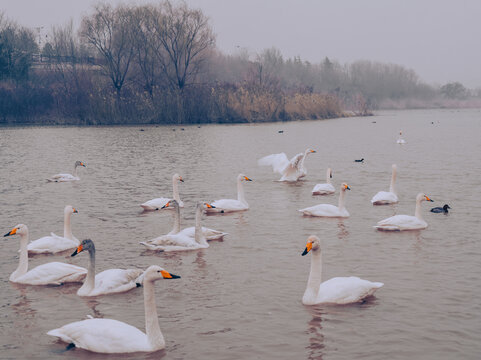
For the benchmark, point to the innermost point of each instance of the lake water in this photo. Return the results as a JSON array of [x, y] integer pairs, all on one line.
[[241, 298]]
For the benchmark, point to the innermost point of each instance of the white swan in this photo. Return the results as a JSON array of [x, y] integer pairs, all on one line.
[[400, 140], [387, 197], [324, 189], [67, 177], [338, 290], [158, 203], [231, 205], [54, 243], [328, 210], [182, 241], [406, 222], [113, 336], [52, 273], [291, 170], [109, 281], [209, 234]]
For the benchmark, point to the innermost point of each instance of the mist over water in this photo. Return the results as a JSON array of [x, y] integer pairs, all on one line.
[[241, 298]]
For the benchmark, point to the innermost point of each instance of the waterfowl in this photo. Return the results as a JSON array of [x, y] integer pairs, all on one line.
[[112, 336], [387, 197], [338, 290], [67, 177], [324, 189], [443, 209], [328, 210], [291, 170], [158, 203], [400, 140], [231, 205], [359, 160]]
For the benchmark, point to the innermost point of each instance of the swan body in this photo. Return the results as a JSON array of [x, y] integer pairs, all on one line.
[[324, 189], [159, 203], [113, 336], [338, 290], [231, 205], [109, 281], [67, 177], [54, 243], [52, 273], [387, 197], [182, 241], [291, 170], [443, 209], [328, 210], [400, 140], [405, 222]]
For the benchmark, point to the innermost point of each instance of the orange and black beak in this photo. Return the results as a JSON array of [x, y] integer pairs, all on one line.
[[428, 199], [168, 275], [75, 211], [82, 164], [13, 232], [180, 178], [209, 206], [307, 249], [79, 249], [247, 179], [166, 205], [313, 151], [347, 187]]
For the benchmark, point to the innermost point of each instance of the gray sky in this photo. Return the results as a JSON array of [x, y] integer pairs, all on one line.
[[438, 39]]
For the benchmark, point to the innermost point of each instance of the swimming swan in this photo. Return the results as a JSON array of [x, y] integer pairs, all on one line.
[[52, 273], [230, 205], [113, 336], [291, 170], [338, 290], [54, 243], [328, 210], [182, 241], [324, 189], [158, 203], [400, 140], [67, 177], [405, 222], [387, 197], [109, 281]]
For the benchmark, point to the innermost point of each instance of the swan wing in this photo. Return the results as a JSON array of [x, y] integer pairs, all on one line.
[[209, 234], [346, 290], [384, 197], [115, 280], [277, 161], [63, 177], [401, 222], [227, 205], [323, 189], [103, 336], [51, 244], [155, 204], [52, 273], [326, 210]]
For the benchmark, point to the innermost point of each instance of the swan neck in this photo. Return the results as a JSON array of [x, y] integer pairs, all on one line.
[[240, 192], [328, 176], [176, 228], [341, 199], [23, 259], [89, 283], [152, 328], [393, 181], [199, 235], [67, 229], [417, 212], [75, 171], [315, 278], [175, 190]]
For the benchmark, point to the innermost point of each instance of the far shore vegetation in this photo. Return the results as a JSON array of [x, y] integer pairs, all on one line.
[[158, 64]]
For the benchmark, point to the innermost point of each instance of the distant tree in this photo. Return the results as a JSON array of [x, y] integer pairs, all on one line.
[[454, 90], [268, 66]]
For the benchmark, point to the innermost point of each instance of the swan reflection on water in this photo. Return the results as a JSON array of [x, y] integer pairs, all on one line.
[[314, 331]]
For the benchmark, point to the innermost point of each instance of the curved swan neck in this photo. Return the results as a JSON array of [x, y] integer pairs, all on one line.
[[67, 229], [199, 235], [417, 212], [89, 283], [393, 180], [75, 170], [315, 277], [152, 328], [23, 258], [176, 228], [240, 191], [175, 190], [341, 199]]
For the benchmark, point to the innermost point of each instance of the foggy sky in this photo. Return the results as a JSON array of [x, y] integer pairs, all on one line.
[[438, 39]]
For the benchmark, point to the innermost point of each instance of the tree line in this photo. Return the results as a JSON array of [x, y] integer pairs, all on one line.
[[158, 64]]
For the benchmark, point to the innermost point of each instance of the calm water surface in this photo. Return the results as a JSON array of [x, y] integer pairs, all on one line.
[[241, 298]]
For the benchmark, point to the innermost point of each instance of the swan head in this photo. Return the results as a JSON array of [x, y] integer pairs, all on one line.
[[330, 172], [80, 163], [242, 177], [345, 187], [155, 272], [20, 229], [86, 244], [310, 151], [171, 203], [177, 177], [206, 205], [313, 243], [69, 209], [423, 197]]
